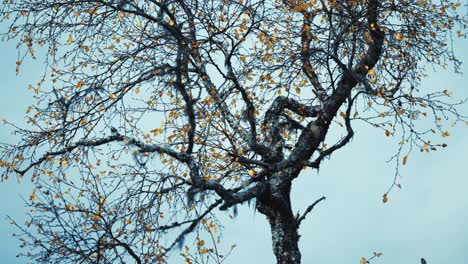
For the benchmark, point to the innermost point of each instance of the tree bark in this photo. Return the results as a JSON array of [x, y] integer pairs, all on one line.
[[285, 239], [275, 204]]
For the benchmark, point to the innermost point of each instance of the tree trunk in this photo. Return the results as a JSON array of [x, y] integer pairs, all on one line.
[[275, 204], [285, 240]]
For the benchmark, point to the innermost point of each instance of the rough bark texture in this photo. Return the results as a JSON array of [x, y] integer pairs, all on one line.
[[275, 204], [285, 239]]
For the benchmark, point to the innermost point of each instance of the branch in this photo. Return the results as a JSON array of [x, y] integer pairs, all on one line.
[[244, 196], [116, 137], [191, 227], [82, 143], [210, 87], [308, 210], [306, 39], [343, 141]]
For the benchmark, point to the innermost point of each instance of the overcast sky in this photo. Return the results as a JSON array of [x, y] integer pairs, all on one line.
[[427, 217]]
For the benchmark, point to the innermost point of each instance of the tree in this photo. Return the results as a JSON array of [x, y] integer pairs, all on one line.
[[246, 93]]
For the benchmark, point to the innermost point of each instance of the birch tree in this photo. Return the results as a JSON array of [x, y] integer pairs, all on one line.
[[153, 118]]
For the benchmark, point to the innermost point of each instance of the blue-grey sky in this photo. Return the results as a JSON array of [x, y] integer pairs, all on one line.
[[427, 217]]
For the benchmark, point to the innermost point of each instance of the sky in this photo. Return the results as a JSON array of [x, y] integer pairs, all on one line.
[[426, 218]]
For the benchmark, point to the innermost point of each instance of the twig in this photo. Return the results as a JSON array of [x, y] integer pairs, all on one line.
[[300, 219]]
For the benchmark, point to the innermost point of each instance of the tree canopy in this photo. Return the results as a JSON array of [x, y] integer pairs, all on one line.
[[155, 116]]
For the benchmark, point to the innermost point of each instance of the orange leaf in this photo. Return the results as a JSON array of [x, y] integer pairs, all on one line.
[[79, 84], [385, 198], [445, 134]]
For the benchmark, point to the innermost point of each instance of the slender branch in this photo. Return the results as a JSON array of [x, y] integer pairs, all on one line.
[[308, 210]]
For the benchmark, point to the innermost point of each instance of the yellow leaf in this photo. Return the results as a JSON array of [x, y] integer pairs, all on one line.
[[112, 96], [200, 243], [91, 12], [363, 261], [399, 36], [447, 92], [371, 72], [79, 84], [64, 163], [157, 131], [445, 134], [69, 40], [405, 159], [385, 198], [251, 172], [343, 115]]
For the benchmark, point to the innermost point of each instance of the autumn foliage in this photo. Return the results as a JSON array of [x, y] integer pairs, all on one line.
[[155, 117]]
